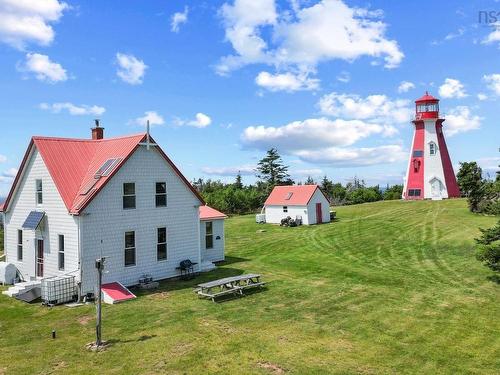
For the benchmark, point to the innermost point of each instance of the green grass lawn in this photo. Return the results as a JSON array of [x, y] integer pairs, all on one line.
[[391, 287]]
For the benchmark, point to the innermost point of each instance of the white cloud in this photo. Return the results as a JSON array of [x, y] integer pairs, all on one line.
[[344, 77], [12, 172], [481, 96], [288, 82], [452, 88], [131, 70], [304, 173], [354, 157], [493, 82], [201, 120], [376, 108], [43, 68], [24, 21], [178, 19], [244, 170], [494, 36], [461, 120], [75, 110], [3, 158], [405, 86], [153, 117], [309, 134], [303, 37]]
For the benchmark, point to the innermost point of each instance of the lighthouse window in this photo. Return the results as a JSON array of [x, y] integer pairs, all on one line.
[[432, 148], [414, 192], [418, 153]]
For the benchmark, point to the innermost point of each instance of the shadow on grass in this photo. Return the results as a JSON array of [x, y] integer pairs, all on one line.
[[139, 339], [494, 278], [178, 284], [231, 260]]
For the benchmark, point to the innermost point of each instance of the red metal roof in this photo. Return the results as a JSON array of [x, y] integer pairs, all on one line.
[[72, 164], [208, 213], [295, 195], [117, 292], [427, 98]]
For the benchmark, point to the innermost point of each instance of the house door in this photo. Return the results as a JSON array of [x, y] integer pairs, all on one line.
[[39, 258], [319, 214]]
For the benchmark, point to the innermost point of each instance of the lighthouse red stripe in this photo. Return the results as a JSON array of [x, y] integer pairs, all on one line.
[[449, 174], [416, 176]]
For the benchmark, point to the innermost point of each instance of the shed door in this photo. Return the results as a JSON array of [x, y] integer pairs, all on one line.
[[319, 214], [39, 258]]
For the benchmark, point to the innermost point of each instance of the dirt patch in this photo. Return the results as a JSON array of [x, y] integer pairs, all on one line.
[[158, 295], [181, 349], [271, 367], [91, 346], [84, 320]]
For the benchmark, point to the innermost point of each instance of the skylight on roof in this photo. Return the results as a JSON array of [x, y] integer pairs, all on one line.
[[107, 168], [289, 196]]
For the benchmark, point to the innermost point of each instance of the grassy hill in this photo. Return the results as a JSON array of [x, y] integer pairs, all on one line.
[[391, 287]]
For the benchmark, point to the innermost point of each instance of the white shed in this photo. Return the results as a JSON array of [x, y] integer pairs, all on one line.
[[307, 202]]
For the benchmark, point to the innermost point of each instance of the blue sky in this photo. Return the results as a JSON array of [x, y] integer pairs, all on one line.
[[330, 83]]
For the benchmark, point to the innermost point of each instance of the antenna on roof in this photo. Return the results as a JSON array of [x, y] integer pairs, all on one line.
[[148, 142]]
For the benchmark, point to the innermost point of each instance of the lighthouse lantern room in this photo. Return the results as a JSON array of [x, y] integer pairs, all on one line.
[[430, 173]]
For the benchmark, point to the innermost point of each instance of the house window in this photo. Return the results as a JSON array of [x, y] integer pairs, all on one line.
[[128, 195], [161, 194], [61, 252], [209, 235], [20, 245], [432, 148], [285, 208], [39, 192], [161, 244], [129, 249]]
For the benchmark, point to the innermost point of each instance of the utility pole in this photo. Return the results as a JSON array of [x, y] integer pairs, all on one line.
[[99, 264]]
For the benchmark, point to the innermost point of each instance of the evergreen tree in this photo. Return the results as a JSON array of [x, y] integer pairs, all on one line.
[[238, 184], [327, 187], [489, 247], [471, 183], [272, 170], [310, 181]]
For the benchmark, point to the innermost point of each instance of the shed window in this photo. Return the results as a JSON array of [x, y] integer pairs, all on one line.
[[61, 252], [161, 244], [20, 245], [285, 208], [161, 194], [39, 192], [129, 248], [128, 195], [209, 235]]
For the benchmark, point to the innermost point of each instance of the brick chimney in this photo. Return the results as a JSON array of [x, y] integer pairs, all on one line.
[[97, 131]]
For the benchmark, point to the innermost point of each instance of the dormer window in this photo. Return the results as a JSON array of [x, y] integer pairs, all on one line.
[[39, 192]]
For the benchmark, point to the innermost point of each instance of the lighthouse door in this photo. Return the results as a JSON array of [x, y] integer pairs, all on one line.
[[436, 188]]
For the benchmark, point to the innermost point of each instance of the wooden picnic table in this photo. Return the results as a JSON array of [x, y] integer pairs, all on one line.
[[229, 285]]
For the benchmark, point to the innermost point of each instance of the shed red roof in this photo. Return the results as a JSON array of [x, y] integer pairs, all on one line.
[[208, 213], [72, 164], [427, 98], [295, 195]]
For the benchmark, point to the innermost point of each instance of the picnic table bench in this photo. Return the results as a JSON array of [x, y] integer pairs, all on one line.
[[229, 285]]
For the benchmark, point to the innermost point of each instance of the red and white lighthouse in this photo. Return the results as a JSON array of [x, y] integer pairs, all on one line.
[[430, 172]]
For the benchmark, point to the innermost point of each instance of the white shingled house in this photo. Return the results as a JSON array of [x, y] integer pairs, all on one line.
[[76, 200]]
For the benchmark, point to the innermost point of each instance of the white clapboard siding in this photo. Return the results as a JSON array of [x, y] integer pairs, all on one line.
[[57, 221], [104, 223], [274, 214], [215, 254], [318, 197]]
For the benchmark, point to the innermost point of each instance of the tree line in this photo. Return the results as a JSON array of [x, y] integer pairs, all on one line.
[[271, 171]]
